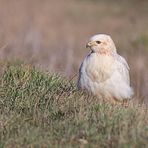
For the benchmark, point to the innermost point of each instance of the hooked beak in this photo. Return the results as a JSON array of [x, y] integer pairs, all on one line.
[[88, 44]]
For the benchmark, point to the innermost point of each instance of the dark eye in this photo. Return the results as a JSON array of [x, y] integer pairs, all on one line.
[[98, 42]]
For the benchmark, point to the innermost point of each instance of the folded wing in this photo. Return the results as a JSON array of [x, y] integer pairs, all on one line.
[[123, 68]]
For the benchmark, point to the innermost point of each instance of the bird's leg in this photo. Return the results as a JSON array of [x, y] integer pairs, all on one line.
[[125, 103]]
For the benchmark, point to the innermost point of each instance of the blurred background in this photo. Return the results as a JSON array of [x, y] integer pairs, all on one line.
[[52, 35]]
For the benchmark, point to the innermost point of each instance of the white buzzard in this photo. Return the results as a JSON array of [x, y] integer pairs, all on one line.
[[104, 72]]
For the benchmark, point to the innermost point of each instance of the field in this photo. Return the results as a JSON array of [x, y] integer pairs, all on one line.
[[43, 110], [52, 35], [42, 44]]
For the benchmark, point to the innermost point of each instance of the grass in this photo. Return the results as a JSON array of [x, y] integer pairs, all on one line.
[[51, 35], [42, 110]]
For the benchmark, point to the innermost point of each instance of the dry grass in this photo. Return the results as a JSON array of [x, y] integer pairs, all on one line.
[[37, 109], [43, 110], [52, 35]]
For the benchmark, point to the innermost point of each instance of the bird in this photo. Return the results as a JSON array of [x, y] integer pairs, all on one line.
[[103, 72]]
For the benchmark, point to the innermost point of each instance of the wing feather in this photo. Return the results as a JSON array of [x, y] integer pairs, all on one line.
[[123, 68]]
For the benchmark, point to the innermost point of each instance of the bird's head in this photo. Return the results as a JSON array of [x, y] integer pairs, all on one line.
[[101, 43]]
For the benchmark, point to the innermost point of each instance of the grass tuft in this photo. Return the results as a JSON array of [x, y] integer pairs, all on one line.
[[44, 110]]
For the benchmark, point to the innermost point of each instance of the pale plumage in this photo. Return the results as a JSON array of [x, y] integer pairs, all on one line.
[[103, 72]]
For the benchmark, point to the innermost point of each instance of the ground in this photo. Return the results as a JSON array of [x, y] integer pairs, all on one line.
[[40, 105], [52, 35], [42, 110]]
